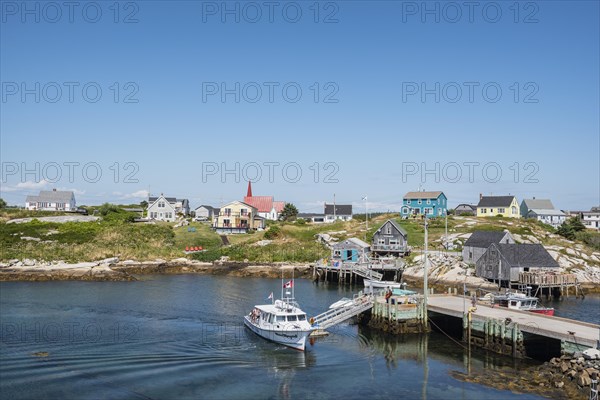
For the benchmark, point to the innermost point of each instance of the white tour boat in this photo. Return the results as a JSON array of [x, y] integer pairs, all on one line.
[[282, 321]]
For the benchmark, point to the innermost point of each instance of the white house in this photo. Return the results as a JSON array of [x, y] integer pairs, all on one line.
[[591, 219], [52, 200], [180, 206], [162, 208], [543, 210], [334, 212]]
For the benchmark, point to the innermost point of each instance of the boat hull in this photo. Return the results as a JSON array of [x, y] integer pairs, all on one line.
[[295, 339], [382, 284], [545, 311]]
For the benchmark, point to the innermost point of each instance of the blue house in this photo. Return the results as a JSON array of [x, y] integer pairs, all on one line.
[[432, 204]]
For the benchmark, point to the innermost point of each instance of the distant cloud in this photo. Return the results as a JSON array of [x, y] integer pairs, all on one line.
[[26, 186], [140, 194]]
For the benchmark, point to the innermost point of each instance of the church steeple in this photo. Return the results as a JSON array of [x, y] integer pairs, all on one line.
[[249, 194]]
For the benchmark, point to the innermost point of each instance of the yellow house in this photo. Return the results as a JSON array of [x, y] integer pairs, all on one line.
[[490, 206], [237, 217]]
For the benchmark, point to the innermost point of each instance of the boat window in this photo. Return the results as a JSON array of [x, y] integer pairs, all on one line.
[[270, 317], [292, 318], [280, 318], [302, 317], [513, 303]]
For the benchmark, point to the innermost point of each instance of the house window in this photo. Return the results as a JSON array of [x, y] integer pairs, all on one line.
[[389, 229], [428, 201], [419, 201], [514, 210], [428, 210], [226, 222], [161, 204], [484, 210], [228, 212], [244, 212], [501, 211]]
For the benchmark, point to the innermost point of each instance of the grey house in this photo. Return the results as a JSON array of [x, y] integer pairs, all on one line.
[[205, 213], [479, 242], [350, 250], [465, 209], [390, 239], [543, 210], [505, 262]]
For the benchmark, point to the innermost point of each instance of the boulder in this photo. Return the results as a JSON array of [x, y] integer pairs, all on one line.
[[111, 260], [584, 379], [564, 367], [591, 354]]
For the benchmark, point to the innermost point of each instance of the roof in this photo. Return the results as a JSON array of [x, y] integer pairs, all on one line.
[[398, 227], [309, 215], [233, 202], [465, 205], [264, 204], [340, 209], [484, 238], [356, 242], [546, 211], [207, 207], [279, 205], [495, 201], [152, 199], [526, 255], [423, 195], [52, 196], [539, 204]]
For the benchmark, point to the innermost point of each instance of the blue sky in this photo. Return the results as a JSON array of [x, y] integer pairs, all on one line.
[[368, 126]]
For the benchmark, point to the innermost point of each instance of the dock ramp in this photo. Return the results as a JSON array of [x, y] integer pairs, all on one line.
[[360, 303]]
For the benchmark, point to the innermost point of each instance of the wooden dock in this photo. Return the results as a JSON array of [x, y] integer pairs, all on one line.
[[573, 335]]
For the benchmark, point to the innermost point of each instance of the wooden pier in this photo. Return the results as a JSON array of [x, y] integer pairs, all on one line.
[[498, 329], [502, 329], [347, 272], [551, 282]]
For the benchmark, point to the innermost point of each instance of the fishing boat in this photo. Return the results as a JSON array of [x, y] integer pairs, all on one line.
[[282, 321], [523, 302]]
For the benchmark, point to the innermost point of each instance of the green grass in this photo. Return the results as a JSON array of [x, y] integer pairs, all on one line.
[[114, 235]]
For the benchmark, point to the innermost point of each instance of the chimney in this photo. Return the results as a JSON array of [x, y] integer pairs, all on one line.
[[54, 190], [534, 197], [249, 193], [480, 196]]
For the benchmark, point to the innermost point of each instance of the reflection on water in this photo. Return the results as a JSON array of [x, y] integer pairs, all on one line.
[[182, 337]]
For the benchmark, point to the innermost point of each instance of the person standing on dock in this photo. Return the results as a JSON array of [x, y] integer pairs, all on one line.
[[474, 301], [388, 294]]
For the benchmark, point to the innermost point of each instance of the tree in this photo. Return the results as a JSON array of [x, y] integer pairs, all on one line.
[[144, 204], [569, 228], [289, 212], [2, 203]]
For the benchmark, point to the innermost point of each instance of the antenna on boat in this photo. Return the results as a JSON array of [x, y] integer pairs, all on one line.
[[281, 283]]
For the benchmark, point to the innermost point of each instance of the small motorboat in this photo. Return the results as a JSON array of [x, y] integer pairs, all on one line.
[[281, 322], [373, 284], [521, 301]]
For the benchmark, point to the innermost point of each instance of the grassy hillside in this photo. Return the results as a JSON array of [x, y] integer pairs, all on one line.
[[116, 235]]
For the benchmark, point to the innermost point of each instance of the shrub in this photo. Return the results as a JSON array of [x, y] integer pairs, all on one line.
[[273, 232]]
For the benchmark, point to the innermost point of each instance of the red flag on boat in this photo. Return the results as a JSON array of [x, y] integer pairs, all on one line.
[[288, 284]]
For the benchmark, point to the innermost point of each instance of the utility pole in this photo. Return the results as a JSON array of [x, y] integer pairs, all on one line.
[[334, 210], [425, 266], [446, 235]]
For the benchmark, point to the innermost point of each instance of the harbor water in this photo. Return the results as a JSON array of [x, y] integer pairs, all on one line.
[[182, 337]]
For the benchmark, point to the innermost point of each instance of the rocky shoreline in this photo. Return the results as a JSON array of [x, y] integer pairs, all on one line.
[[112, 269]]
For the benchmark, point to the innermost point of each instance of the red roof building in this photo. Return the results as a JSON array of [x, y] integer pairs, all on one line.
[[267, 207]]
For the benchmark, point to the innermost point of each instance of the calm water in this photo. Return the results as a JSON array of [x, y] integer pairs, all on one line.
[[180, 336]]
